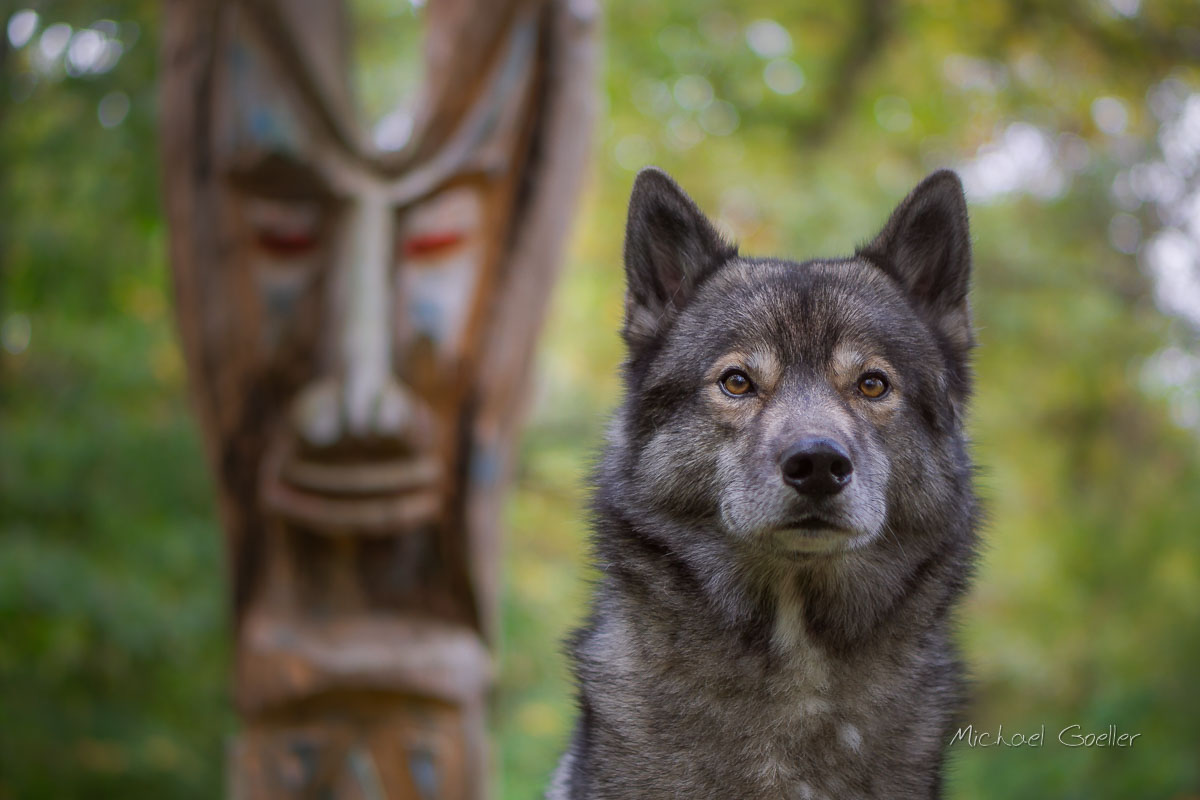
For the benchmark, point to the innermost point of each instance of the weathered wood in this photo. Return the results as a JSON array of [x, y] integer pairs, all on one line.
[[357, 325]]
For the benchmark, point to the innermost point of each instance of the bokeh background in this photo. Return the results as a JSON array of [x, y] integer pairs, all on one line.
[[1076, 127]]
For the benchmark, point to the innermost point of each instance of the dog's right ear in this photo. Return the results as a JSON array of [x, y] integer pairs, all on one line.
[[670, 248]]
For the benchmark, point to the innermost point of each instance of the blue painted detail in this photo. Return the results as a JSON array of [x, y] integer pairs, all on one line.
[[281, 300], [424, 772], [301, 768], [262, 126], [362, 766], [485, 466], [261, 114], [427, 318]]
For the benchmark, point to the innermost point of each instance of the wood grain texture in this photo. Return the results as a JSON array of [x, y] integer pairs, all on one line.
[[357, 326]]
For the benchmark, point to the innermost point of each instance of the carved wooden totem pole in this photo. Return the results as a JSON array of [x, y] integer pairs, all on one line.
[[358, 305]]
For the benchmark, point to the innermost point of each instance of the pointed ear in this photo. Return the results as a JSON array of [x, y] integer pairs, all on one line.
[[670, 248], [926, 247]]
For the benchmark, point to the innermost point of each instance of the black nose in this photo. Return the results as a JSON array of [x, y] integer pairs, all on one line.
[[816, 467]]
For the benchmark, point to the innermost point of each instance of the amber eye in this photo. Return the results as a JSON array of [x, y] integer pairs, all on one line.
[[873, 385], [736, 383]]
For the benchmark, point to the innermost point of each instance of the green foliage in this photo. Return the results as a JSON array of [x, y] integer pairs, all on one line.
[[113, 640], [113, 653]]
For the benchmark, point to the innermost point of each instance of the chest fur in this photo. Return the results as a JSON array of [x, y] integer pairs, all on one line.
[[685, 712]]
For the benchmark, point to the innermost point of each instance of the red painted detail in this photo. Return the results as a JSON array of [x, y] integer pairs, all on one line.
[[286, 244], [428, 244]]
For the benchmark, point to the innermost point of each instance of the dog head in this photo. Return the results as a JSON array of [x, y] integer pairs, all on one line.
[[795, 408]]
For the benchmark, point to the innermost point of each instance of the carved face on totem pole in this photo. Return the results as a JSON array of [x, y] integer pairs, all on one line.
[[357, 300]]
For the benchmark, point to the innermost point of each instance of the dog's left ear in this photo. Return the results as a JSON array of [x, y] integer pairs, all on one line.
[[670, 248], [926, 246]]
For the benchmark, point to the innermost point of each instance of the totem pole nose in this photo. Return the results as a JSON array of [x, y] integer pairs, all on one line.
[[363, 399], [321, 416], [363, 314]]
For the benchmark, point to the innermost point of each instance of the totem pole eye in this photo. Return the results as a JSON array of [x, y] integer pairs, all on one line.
[[286, 244], [430, 245], [284, 229]]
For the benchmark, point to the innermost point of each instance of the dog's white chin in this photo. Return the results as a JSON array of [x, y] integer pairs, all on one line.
[[808, 541]]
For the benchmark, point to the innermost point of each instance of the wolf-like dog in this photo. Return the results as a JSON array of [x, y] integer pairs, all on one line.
[[784, 516]]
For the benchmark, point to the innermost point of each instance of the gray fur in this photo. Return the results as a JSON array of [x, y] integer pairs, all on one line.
[[747, 640]]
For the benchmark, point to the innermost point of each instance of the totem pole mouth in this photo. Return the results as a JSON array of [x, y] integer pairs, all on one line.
[[373, 495], [361, 480]]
